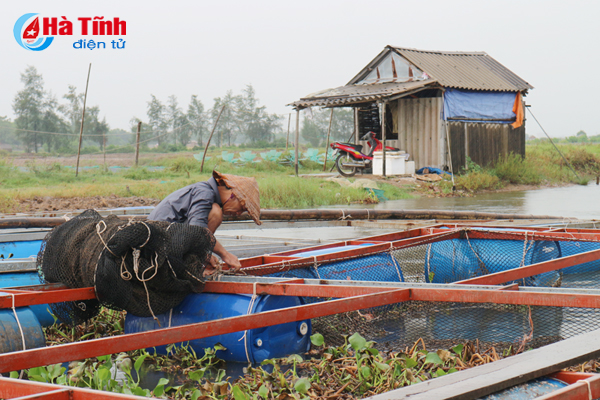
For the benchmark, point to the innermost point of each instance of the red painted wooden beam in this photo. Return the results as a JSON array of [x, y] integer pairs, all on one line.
[[16, 389], [534, 269], [582, 390], [287, 289], [506, 297], [29, 298], [116, 344]]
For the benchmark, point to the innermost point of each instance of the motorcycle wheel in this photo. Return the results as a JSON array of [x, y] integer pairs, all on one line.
[[345, 171]]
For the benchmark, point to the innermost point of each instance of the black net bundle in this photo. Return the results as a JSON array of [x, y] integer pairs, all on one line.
[[145, 268]]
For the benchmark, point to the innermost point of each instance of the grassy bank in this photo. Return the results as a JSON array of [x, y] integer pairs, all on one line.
[[542, 165], [278, 186]]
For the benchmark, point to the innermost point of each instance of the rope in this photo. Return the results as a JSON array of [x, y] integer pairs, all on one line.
[[485, 270], [395, 262], [315, 266], [250, 307], [20, 328], [344, 216], [589, 388]]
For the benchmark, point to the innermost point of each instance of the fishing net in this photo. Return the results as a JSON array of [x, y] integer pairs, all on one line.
[[448, 257], [145, 268]]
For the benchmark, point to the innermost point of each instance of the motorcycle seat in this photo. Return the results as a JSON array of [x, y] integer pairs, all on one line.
[[357, 147]]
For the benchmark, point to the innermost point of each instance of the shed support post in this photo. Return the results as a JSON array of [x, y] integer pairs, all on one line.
[[466, 146], [383, 129], [327, 143], [355, 125], [297, 139]]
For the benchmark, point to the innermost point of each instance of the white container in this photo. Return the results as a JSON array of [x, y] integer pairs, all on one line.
[[409, 169], [394, 163]]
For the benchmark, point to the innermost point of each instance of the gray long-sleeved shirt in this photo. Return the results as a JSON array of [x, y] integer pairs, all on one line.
[[190, 204]]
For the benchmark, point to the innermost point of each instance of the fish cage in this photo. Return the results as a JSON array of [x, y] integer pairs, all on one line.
[[447, 257], [506, 288]]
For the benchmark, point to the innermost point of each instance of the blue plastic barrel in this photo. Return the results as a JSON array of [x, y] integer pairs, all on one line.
[[20, 249], [458, 259], [28, 278], [258, 344], [10, 335]]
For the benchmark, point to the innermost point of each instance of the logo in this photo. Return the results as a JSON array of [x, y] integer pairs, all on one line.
[[27, 33]]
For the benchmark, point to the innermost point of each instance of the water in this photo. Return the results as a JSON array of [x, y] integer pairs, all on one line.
[[570, 202]]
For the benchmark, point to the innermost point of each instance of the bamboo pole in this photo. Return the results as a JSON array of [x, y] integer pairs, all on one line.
[[383, 129], [327, 142], [210, 137], [356, 125], [297, 141], [287, 139], [137, 143], [310, 214], [82, 118]]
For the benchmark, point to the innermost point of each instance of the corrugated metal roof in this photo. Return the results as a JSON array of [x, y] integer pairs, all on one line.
[[353, 94], [474, 71]]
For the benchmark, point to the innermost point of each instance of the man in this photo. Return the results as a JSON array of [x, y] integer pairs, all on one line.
[[205, 203]]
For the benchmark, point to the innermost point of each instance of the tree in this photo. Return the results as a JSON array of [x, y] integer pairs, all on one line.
[[314, 130], [52, 122], [7, 131], [311, 131], [177, 121], [197, 119], [156, 119], [252, 119], [28, 105], [227, 121], [94, 129]]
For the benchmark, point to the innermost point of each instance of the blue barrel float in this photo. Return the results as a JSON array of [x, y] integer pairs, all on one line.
[[10, 334], [258, 344], [458, 259], [381, 267]]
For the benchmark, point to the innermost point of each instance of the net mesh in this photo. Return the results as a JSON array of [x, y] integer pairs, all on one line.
[[448, 258], [145, 268]]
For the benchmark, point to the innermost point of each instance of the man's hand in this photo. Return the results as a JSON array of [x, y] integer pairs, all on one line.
[[232, 261]]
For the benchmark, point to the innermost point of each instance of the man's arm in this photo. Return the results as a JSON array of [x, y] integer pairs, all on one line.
[[226, 256]]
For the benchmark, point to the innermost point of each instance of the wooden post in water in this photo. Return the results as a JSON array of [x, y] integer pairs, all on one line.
[[82, 118], [210, 137], [297, 141], [137, 143], [327, 142]]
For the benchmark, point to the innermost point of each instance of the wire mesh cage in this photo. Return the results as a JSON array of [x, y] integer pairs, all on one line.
[[457, 255]]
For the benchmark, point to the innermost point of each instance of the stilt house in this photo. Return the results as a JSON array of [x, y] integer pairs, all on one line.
[[440, 107]]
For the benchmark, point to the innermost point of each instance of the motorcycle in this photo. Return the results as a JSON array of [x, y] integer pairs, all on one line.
[[350, 159]]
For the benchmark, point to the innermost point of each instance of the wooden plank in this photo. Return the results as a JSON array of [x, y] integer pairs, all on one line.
[[490, 378]]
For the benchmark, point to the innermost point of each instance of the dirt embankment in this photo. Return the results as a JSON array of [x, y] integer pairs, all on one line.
[[37, 204]]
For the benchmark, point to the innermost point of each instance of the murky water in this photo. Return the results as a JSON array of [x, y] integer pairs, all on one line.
[[570, 202]]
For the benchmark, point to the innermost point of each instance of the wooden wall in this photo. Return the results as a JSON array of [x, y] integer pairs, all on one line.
[[420, 130], [485, 142]]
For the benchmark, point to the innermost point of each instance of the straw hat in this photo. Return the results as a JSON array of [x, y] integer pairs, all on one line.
[[245, 190]]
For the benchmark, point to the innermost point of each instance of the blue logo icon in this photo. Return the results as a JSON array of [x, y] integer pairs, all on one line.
[[27, 33]]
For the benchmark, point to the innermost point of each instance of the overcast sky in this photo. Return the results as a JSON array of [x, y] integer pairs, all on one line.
[[287, 50]]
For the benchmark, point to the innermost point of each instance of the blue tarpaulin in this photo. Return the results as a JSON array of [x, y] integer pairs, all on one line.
[[478, 106]]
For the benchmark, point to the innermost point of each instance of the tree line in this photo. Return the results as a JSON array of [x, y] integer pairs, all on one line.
[[45, 123]]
